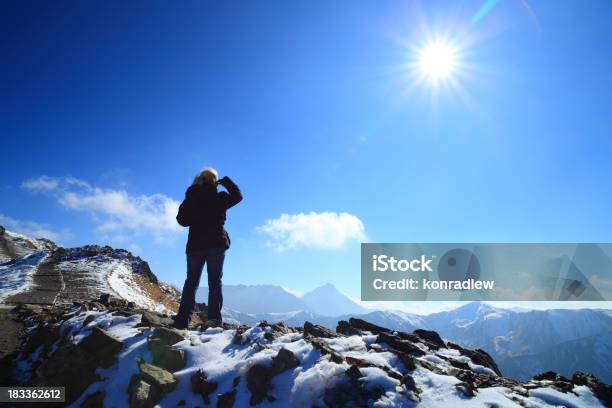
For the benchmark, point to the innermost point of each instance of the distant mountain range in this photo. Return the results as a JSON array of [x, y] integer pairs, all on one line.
[[524, 342]]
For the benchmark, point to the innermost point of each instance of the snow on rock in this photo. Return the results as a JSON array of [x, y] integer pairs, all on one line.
[[360, 373], [16, 277]]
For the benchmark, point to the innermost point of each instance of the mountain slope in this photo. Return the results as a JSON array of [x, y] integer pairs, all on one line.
[[326, 300], [256, 299], [118, 356], [36, 271], [565, 358]]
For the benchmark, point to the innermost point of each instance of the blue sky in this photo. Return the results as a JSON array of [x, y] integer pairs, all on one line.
[[108, 109]]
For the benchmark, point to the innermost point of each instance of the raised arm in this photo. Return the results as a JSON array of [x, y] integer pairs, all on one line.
[[233, 195]]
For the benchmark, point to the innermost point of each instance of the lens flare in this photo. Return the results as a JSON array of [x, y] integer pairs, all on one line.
[[437, 60]]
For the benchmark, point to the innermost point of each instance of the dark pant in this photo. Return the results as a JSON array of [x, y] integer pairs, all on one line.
[[213, 257]]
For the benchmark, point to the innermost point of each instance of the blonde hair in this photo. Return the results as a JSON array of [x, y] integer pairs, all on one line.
[[206, 176]]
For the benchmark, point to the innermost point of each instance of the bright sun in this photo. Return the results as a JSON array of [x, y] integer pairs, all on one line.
[[437, 60]]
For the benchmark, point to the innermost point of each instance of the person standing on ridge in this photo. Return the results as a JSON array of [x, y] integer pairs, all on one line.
[[204, 211]]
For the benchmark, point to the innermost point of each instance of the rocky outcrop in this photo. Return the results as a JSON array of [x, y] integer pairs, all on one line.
[[59, 358]]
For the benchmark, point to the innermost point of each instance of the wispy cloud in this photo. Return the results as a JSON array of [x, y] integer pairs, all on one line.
[[34, 229], [116, 212], [326, 230]]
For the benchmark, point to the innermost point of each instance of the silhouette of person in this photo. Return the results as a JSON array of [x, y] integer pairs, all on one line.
[[204, 211]]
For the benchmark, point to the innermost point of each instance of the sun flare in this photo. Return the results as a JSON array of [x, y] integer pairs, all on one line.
[[437, 60]]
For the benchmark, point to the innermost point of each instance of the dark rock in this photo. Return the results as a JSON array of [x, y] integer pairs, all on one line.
[[71, 367], [401, 345], [601, 390], [466, 389], [366, 326], [325, 349], [345, 328], [318, 331], [284, 360], [358, 362], [405, 358], [277, 330], [227, 399], [157, 377], [459, 364], [410, 384], [201, 310], [167, 357], [45, 335], [167, 336], [152, 319], [259, 376], [430, 337], [353, 372], [102, 345], [258, 382], [95, 400], [482, 358], [90, 318], [551, 376], [142, 394], [201, 385]]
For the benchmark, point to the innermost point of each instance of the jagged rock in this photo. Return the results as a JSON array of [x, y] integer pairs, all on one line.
[[401, 345], [352, 393], [201, 385], [478, 356], [318, 331], [405, 358], [157, 377], [89, 319], [71, 367], [456, 363], [345, 328], [167, 336], [358, 362], [258, 383], [430, 337], [165, 356], [551, 376], [601, 390], [284, 360], [466, 389], [45, 335], [353, 372], [410, 384], [367, 326], [277, 330], [326, 350], [102, 345], [142, 394], [226, 400], [152, 319], [95, 400], [260, 376]]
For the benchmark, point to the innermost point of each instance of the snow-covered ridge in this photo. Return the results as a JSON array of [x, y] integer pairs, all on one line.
[[359, 364], [38, 271]]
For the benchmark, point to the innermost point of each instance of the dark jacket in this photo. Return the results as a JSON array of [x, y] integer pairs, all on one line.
[[203, 211]]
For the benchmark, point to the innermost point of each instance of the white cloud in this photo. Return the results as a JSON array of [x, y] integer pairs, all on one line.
[[33, 229], [115, 211], [326, 230]]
